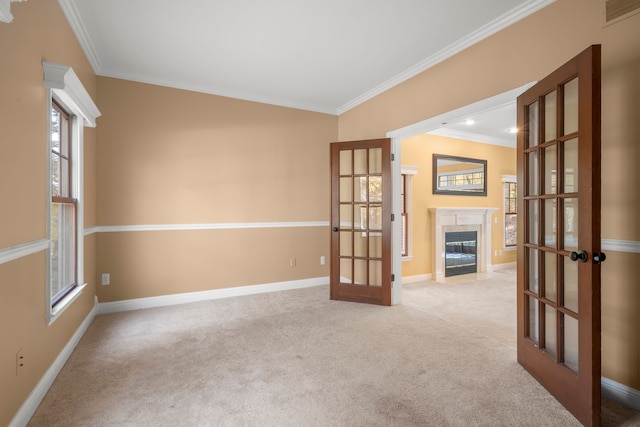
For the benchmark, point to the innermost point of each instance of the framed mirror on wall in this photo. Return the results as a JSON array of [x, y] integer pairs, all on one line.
[[459, 176]]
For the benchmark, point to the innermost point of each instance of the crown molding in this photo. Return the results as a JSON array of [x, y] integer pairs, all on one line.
[[482, 33], [219, 92], [73, 17]]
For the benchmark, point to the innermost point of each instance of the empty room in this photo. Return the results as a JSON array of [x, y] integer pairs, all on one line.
[[319, 213]]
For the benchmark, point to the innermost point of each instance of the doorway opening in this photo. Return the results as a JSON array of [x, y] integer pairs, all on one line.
[[441, 134]]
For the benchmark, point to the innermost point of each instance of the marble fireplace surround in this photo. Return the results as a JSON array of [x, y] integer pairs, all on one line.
[[445, 220]]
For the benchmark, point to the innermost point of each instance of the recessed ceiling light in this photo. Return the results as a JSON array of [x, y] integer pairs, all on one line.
[[469, 122]]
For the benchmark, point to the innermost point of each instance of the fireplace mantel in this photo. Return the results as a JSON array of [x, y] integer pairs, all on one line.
[[445, 220]]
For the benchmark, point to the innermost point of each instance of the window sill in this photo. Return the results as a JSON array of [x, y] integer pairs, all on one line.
[[407, 258], [510, 248], [64, 304]]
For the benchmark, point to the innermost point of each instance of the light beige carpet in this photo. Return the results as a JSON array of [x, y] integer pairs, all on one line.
[[445, 357]]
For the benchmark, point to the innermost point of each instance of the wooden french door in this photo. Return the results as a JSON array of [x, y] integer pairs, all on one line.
[[361, 221], [559, 256]]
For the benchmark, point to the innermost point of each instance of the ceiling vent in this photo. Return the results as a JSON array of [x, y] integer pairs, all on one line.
[[616, 10]]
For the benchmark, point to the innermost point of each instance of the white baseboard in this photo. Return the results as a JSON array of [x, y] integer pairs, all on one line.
[[621, 393], [165, 300], [414, 279], [504, 266], [30, 405]]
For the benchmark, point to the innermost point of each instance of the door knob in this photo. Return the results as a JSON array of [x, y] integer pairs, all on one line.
[[599, 257], [579, 256], [335, 229]]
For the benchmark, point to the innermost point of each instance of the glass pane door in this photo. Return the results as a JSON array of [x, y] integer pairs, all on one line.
[[361, 220], [558, 271]]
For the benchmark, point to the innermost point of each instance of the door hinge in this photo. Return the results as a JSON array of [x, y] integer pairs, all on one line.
[[393, 217], [393, 277], [393, 157]]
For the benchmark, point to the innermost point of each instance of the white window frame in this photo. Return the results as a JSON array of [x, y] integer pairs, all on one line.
[[511, 179], [64, 86], [410, 172]]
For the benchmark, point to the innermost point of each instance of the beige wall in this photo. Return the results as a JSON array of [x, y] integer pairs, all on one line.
[[164, 156], [168, 156], [525, 52], [418, 151], [39, 32]]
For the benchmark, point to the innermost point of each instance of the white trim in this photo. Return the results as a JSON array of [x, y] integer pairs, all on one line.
[[66, 86], [415, 279], [64, 303], [165, 300], [30, 405], [73, 17], [620, 393], [212, 226], [90, 231], [505, 266], [325, 109], [509, 178], [5, 10], [487, 30], [25, 249], [396, 226], [629, 246], [409, 170]]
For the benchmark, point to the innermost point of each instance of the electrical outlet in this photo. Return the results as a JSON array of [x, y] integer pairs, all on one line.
[[106, 278], [292, 262], [19, 362], [323, 261]]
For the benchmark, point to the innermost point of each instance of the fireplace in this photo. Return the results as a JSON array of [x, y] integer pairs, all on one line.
[[460, 254], [452, 220]]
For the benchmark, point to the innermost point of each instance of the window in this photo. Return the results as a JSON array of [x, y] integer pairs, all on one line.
[[64, 206], [70, 109], [510, 212], [407, 172]]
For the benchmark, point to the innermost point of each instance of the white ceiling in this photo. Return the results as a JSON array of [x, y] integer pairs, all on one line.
[[490, 126], [319, 55]]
